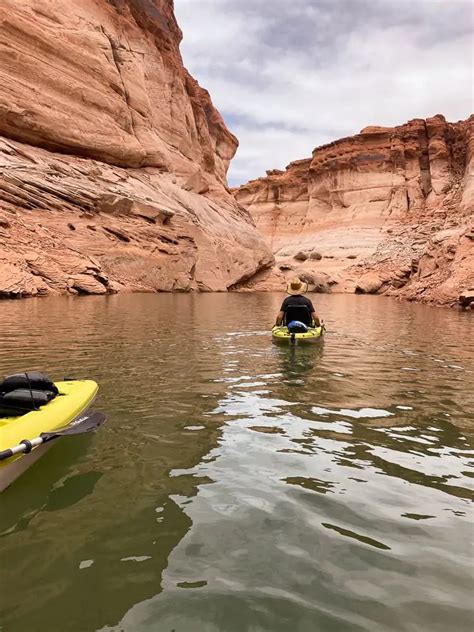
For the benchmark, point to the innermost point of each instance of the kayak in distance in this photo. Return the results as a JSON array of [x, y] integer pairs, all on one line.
[[297, 321], [295, 334], [34, 411]]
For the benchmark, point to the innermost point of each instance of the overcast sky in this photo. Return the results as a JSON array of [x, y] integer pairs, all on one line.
[[288, 75]]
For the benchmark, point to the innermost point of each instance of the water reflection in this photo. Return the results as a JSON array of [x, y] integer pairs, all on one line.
[[109, 516], [297, 361]]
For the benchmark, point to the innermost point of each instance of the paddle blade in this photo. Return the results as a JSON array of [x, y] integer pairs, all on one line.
[[85, 423]]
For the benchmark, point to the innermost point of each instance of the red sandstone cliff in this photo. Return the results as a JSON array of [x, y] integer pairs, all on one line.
[[113, 159], [389, 210]]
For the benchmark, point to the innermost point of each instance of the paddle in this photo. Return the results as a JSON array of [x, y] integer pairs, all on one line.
[[85, 423]]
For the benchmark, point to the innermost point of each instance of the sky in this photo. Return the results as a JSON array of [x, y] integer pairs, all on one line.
[[289, 75]]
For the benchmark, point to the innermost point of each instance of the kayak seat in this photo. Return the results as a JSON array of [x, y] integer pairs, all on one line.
[[300, 313]]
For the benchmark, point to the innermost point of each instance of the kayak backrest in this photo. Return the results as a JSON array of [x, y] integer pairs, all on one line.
[[300, 313]]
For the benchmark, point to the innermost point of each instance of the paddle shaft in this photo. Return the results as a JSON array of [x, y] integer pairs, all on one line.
[[24, 446]]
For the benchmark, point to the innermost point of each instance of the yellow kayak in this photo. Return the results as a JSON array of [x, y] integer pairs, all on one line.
[[73, 398], [281, 334]]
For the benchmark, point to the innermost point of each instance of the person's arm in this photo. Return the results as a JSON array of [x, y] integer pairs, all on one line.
[[281, 313], [314, 316]]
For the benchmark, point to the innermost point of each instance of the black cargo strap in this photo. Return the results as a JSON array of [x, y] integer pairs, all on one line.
[[35, 407]]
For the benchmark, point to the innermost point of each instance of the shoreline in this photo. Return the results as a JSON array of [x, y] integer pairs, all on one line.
[[78, 296]]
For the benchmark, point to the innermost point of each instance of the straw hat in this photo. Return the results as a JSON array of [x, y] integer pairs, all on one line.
[[296, 286]]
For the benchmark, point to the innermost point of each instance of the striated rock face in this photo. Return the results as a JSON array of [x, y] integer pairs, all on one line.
[[113, 159], [104, 79], [389, 210], [81, 226]]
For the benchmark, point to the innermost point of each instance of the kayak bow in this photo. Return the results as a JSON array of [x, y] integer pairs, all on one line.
[[24, 438]]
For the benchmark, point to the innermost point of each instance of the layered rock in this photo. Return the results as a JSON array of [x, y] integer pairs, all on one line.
[[113, 159], [389, 210]]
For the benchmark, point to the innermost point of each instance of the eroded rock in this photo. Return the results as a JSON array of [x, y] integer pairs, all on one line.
[[383, 197], [317, 281], [369, 283], [87, 284], [107, 147]]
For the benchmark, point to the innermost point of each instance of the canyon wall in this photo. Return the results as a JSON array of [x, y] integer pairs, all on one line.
[[113, 159], [389, 210]]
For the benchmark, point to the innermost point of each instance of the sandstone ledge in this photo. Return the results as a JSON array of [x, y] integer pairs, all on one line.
[[78, 226]]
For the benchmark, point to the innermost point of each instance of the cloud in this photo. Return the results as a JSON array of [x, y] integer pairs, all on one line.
[[288, 76]]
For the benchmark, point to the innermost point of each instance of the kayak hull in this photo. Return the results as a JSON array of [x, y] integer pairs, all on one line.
[[75, 397], [11, 471], [281, 335]]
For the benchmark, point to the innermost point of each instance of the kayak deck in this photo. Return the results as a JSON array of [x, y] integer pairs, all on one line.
[[75, 396], [281, 334]]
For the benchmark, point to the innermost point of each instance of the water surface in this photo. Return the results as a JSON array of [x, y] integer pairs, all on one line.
[[240, 486]]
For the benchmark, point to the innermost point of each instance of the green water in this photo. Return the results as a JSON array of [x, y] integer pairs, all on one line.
[[241, 486]]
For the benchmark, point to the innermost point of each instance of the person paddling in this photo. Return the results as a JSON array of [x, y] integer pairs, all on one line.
[[296, 306]]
